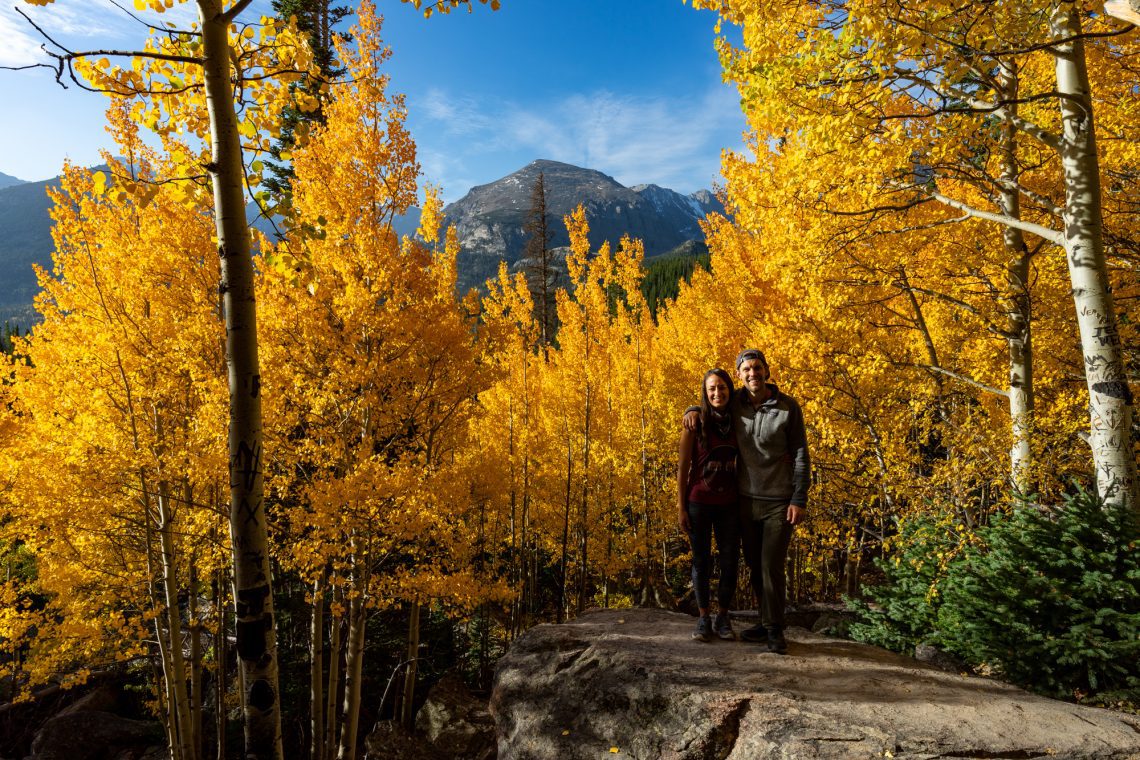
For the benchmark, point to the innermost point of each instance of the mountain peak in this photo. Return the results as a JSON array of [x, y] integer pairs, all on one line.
[[490, 219], [7, 180]]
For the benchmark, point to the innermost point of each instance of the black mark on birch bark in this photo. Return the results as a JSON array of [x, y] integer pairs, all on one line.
[[247, 463], [1114, 388], [261, 696], [249, 510]]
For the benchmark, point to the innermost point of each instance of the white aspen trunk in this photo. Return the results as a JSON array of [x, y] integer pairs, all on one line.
[[163, 677], [528, 578], [176, 675], [609, 498], [584, 507], [166, 700], [566, 518], [253, 593], [516, 555], [316, 672], [407, 704], [643, 425], [1019, 331], [331, 716], [195, 662], [353, 667], [220, 607], [1110, 399], [1125, 10]]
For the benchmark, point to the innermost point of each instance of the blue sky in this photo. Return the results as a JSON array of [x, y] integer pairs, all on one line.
[[629, 87]]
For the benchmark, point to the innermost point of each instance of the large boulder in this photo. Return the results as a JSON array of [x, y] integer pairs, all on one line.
[[94, 735], [456, 722], [632, 683], [388, 740]]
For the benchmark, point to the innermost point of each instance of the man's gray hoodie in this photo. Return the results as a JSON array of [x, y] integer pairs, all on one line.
[[773, 448]]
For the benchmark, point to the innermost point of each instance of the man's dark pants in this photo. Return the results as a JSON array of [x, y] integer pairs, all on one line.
[[766, 533]]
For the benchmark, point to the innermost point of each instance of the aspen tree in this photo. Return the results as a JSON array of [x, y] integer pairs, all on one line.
[[514, 332], [186, 80], [371, 362], [119, 393]]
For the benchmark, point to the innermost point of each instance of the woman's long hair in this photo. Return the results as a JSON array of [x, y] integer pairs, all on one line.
[[707, 419]]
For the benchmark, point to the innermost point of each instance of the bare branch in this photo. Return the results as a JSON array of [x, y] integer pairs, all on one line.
[[67, 55], [150, 26], [998, 109], [964, 379], [876, 210], [235, 11], [1047, 233], [970, 50]]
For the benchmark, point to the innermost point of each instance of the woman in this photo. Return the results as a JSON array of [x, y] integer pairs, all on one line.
[[706, 495]]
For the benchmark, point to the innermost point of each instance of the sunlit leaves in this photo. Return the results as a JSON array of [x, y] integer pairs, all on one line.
[[123, 387]]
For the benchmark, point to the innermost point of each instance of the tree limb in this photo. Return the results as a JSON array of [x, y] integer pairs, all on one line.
[[1047, 233], [998, 109], [70, 55], [235, 10], [152, 27], [963, 378]]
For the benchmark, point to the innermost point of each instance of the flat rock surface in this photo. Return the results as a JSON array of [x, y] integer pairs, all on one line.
[[634, 681]]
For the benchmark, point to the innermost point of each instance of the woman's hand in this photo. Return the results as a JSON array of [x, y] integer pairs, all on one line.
[[683, 519]]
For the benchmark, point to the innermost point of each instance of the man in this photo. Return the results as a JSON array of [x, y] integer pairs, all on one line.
[[773, 477]]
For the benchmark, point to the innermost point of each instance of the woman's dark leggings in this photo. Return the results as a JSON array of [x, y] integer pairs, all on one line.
[[724, 520]]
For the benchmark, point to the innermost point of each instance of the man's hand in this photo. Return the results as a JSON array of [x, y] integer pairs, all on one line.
[[796, 514], [690, 420]]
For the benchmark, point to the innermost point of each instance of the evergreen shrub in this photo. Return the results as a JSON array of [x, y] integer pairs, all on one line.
[[1050, 600], [903, 611], [1046, 598]]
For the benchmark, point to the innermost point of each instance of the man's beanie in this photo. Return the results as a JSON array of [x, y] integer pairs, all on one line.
[[750, 353]]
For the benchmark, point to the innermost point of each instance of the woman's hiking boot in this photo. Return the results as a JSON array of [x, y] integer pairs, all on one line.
[[703, 631], [776, 641], [722, 627]]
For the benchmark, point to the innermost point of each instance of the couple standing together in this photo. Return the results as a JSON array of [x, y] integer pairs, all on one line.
[[744, 475]]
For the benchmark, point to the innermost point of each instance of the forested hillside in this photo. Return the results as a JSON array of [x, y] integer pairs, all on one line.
[[373, 479]]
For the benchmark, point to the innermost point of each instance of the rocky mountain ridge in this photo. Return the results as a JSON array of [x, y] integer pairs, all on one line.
[[7, 180], [491, 218]]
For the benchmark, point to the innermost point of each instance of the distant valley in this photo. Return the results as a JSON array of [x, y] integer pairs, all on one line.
[[490, 221]]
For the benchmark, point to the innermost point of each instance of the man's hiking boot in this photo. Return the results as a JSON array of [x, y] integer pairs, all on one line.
[[722, 626], [776, 641], [703, 631], [757, 634]]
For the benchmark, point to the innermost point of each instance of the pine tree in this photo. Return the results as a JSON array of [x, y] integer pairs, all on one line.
[[318, 19], [542, 274]]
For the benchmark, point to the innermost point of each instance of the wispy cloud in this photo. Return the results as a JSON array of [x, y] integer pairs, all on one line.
[[673, 142], [78, 23], [20, 48]]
